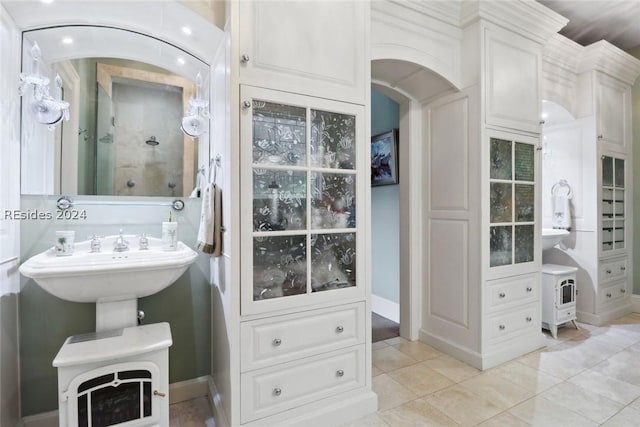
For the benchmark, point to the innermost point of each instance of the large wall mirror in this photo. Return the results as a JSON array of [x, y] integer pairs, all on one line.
[[128, 93]]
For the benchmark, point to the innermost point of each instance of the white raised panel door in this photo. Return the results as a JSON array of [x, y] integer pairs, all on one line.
[[316, 48], [303, 176], [512, 88], [613, 107]]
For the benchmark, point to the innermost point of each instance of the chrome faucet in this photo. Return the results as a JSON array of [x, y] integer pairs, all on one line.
[[144, 242], [120, 245], [95, 243]]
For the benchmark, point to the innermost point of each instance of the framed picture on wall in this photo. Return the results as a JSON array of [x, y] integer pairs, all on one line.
[[384, 158]]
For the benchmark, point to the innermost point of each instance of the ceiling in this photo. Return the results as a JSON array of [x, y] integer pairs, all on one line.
[[617, 21]]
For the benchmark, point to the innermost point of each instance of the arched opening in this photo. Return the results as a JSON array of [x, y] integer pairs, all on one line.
[[397, 229]]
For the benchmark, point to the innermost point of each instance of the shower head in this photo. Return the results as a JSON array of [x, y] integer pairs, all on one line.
[[151, 141]]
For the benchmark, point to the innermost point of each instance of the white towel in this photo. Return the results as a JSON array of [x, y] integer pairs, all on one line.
[[561, 212], [210, 231]]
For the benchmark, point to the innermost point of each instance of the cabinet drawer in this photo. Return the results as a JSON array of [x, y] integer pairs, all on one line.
[[271, 390], [613, 293], [505, 293], [565, 314], [280, 339], [613, 269], [510, 324]]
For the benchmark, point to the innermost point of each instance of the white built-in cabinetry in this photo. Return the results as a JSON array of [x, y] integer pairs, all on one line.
[[299, 93], [600, 244]]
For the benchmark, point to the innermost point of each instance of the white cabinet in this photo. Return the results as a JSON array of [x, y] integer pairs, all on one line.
[[305, 47], [613, 106]]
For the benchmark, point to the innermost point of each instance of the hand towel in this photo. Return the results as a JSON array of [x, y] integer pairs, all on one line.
[[561, 212], [207, 219]]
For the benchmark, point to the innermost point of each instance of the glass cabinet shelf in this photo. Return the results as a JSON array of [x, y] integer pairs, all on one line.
[[612, 204]]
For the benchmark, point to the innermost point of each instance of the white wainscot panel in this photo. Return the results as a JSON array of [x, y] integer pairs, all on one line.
[[448, 270], [449, 155]]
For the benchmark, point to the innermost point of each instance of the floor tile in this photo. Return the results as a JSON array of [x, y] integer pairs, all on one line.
[[376, 371], [585, 402], [418, 350], [421, 379], [378, 345], [539, 411], [371, 420], [463, 406], [608, 387], [502, 393], [504, 419], [533, 380], [452, 368], [627, 371], [390, 393], [389, 359], [552, 363], [628, 417], [396, 340], [636, 404], [416, 413], [191, 413]]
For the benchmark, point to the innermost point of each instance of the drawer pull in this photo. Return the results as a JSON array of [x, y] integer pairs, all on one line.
[[608, 294], [529, 288], [501, 327], [277, 342], [340, 373], [528, 318], [339, 329], [157, 393], [502, 295], [244, 58], [277, 391], [623, 290], [623, 268], [608, 271]]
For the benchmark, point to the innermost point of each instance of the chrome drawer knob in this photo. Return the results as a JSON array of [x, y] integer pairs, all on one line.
[[502, 295], [501, 327], [244, 58], [277, 391], [246, 104], [608, 294], [623, 290], [608, 271], [277, 342], [339, 329], [600, 136], [340, 373], [623, 268], [528, 319], [529, 288]]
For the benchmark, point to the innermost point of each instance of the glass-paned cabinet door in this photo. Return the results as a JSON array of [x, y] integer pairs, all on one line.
[[612, 204], [303, 175], [512, 200]]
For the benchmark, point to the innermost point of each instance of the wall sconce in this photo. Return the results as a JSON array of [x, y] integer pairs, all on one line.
[[194, 123], [44, 108]]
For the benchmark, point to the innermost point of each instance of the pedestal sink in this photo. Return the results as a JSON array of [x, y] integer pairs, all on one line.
[[112, 280], [552, 236]]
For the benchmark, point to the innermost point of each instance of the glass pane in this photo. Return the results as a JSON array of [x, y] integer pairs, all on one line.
[[524, 202], [333, 137], [607, 171], [115, 405], [500, 159], [524, 243], [619, 209], [333, 261], [279, 200], [333, 200], [279, 266], [279, 134], [524, 160], [619, 173], [500, 245], [500, 202]]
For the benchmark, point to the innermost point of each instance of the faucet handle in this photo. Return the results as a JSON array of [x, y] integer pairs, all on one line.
[[95, 243], [144, 242]]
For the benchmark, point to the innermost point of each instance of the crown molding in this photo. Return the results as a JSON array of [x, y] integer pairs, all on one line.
[[604, 57]]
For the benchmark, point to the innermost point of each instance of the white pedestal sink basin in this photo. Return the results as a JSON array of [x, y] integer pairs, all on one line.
[[552, 236], [112, 280]]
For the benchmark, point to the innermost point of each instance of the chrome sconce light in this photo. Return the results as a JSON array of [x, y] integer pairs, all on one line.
[[194, 123], [45, 108]]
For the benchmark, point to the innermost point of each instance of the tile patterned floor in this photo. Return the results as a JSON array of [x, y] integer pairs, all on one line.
[[587, 377]]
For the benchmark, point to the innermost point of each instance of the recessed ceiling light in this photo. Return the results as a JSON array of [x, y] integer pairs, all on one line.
[[181, 61], [67, 40], [186, 30]]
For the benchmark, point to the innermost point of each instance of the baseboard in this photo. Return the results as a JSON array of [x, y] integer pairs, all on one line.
[[466, 355], [635, 303], [214, 398], [178, 392], [512, 349], [385, 308], [607, 316]]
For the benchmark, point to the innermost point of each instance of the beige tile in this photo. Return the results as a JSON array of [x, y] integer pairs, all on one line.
[[568, 332], [463, 406], [390, 393], [389, 359], [502, 393], [533, 380], [416, 413], [552, 363], [585, 402], [376, 371], [586, 353], [628, 417], [191, 413], [618, 368], [418, 350], [371, 420], [396, 340], [504, 419], [617, 336], [421, 379], [608, 387], [636, 404], [378, 345], [539, 411], [452, 368]]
